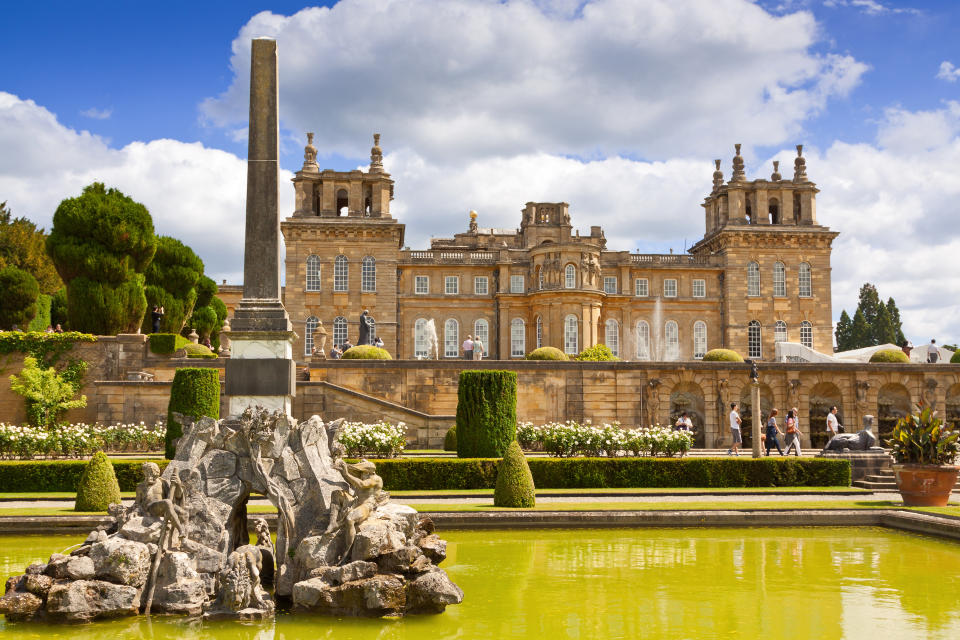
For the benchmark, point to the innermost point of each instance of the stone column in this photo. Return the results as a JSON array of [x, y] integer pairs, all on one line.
[[261, 369]]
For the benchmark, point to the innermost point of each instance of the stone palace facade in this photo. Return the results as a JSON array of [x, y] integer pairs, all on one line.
[[760, 274]]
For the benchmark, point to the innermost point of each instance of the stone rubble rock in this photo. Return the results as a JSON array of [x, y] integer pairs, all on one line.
[[375, 538], [85, 600], [380, 595], [38, 584], [15, 583], [146, 530], [434, 548], [20, 605], [432, 592], [80, 568], [37, 568], [399, 561], [122, 561], [57, 566], [180, 589], [347, 573], [220, 464]]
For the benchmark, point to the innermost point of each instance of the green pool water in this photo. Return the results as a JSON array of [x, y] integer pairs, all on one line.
[[807, 583]]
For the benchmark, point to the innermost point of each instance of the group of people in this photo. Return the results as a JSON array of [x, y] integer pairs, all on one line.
[[770, 437], [472, 349], [50, 329], [336, 351]]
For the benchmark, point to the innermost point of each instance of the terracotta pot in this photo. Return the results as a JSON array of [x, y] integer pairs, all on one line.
[[925, 485]]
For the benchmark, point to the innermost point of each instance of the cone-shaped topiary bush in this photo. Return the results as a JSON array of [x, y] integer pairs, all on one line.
[[195, 393], [98, 485], [514, 480], [486, 413], [450, 439]]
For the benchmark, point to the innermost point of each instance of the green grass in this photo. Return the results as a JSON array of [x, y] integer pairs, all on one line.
[[652, 491], [50, 495]]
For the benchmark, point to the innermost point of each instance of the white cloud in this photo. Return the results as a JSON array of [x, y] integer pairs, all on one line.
[[194, 193], [948, 72], [465, 79], [97, 114], [871, 7]]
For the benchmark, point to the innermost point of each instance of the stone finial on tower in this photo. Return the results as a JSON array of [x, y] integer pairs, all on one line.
[[310, 155], [800, 166], [473, 220], [717, 175], [739, 175], [376, 155], [775, 176]]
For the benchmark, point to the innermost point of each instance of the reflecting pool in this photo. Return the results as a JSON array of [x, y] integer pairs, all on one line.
[[799, 583]]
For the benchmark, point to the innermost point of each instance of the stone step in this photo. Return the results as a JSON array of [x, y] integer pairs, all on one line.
[[876, 486]]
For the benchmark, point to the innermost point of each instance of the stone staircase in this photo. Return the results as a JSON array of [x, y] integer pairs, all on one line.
[[885, 481]]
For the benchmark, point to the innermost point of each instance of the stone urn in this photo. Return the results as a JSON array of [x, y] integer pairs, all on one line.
[[925, 485], [320, 340]]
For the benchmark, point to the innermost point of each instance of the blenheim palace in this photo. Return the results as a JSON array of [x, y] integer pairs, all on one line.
[[760, 274]]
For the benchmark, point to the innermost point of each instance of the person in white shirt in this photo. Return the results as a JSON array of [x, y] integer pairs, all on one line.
[[833, 425], [684, 423], [468, 348], [735, 430], [933, 353], [477, 349]]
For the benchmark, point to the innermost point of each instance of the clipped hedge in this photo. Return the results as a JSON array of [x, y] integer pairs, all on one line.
[[366, 352], [199, 351], [955, 358], [609, 473], [64, 475], [450, 439], [722, 355], [889, 355], [195, 392], [515, 487], [166, 343], [98, 487], [486, 413], [547, 353]]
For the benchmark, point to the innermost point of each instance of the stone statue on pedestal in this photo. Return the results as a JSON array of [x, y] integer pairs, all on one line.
[[368, 328]]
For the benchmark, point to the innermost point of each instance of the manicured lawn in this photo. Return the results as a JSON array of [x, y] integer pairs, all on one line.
[[650, 491]]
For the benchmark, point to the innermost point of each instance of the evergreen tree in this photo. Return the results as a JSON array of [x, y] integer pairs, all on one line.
[[18, 298], [24, 246], [172, 280], [102, 243], [860, 332], [895, 322], [844, 326], [882, 331], [869, 304]]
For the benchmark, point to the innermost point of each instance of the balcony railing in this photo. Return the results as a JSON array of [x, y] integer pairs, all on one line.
[[453, 257]]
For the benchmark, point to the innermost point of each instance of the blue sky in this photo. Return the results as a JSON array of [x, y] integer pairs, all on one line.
[[616, 107]]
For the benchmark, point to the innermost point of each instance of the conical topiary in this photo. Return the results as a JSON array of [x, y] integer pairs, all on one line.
[[514, 480], [450, 439], [98, 485]]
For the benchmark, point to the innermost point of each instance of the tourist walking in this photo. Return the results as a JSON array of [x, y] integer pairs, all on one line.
[[833, 425], [933, 353], [468, 348], [477, 349], [772, 432], [735, 423], [792, 438]]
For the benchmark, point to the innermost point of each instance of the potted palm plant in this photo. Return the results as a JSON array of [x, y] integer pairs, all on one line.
[[924, 450]]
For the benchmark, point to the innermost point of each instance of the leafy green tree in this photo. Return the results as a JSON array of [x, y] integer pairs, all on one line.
[[882, 330], [844, 326], [895, 322], [58, 309], [172, 279], [869, 303], [24, 246], [18, 298], [209, 312], [860, 331], [102, 243], [46, 391]]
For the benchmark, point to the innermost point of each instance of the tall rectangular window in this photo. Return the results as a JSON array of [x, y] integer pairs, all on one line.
[[451, 338], [699, 288], [670, 288], [368, 274], [516, 284], [313, 273], [422, 286], [699, 339], [518, 338], [753, 279], [451, 285], [804, 286], [609, 284], [641, 287], [340, 272], [480, 285], [779, 280]]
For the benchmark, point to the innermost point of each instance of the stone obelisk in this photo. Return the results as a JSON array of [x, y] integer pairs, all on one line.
[[261, 369]]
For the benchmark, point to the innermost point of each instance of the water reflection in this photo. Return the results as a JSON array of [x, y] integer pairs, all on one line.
[[703, 583]]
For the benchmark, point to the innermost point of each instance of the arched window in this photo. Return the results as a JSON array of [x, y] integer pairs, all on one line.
[[671, 338], [806, 334], [570, 277], [420, 345], [754, 349], [339, 330], [779, 280], [368, 274], [753, 279], [699, 339], [311, 326], [539, 332], [340, 271], [313, 273], [451, 338], [612, 337], [481, 332], [780, 331], [571, 335], [804, 286], [518, 338], [643, 340]]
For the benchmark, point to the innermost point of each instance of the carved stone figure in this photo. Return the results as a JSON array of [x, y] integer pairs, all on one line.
[[351, 508], [863, 440], [367, 328], [160, 498], [240, 593]]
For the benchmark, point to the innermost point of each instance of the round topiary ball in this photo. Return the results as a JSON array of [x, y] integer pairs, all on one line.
[[450, 439], [514, 480], [547, 353], [366, 352], [955, 358], [889, 355], [98, 487], [722, 355]]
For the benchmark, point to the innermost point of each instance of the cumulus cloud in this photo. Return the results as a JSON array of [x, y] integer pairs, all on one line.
[[194, 193], [948, 72], [463, 79], [97, 114], [871, 7]]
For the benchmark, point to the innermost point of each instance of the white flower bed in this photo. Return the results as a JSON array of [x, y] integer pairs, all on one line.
[[382, 439], [77, 440], [572, 439]]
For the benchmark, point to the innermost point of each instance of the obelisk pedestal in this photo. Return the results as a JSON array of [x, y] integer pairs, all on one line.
[[261, 369]]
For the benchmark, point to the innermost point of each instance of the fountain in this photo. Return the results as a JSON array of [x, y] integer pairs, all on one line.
[[433, 342], [656, 344]]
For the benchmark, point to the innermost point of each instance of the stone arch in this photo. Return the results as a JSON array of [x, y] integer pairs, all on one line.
[[893, 402], [822, 396], [952, 402], [342, 202], [774, 211], [688, 396], [767, 402]]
